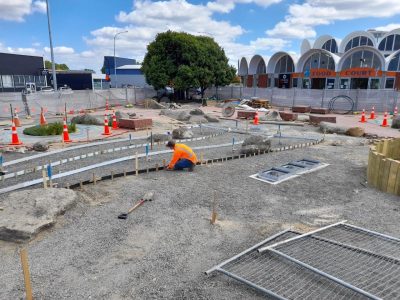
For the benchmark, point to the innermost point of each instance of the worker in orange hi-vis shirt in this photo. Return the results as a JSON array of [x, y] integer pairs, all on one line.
[[183, 157]]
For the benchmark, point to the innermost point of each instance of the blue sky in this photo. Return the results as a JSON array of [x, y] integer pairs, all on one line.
[[83, 30]]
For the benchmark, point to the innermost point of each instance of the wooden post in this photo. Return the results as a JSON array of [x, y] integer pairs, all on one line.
[[81, 185], [156, 167], [44, 178], [164, 163], [214, 210], [201, 158], [94, 179], [27, 276], [67, 185], [124, 173], [112, 175], [137, 164]]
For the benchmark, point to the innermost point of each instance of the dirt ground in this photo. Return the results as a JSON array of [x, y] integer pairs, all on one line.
[[162, 250]]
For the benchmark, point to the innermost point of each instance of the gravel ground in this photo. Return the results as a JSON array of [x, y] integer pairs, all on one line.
[[162, 250]]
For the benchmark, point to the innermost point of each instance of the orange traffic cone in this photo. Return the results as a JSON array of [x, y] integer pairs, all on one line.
[[385, 121], [16, 119], [114, 121], [372, 116], [106, 128], [255, 121], [66, 138], [14, 136], [363, 120], [42, 118]]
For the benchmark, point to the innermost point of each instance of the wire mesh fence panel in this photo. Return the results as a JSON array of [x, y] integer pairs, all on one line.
[[282, 97], [374, 274], [267, 271], [377, 244]]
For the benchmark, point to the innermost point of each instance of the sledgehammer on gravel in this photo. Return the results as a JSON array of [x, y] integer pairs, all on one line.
[[147, 197]]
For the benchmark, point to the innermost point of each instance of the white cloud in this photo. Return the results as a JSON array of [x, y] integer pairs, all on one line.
[[60, 50], [39, 6], [16, 10], [149, 18], [303, 18], [225, 6], [271, 44], [388, 27]]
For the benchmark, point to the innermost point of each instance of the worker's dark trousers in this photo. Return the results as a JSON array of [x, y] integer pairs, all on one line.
[[182, 164]]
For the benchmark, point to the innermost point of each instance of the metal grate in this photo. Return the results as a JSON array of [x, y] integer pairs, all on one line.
[[291, 170], [280, 278], [374, 274]]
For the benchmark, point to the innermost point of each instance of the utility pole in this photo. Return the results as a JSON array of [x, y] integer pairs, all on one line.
[[53, 65], [115, 63]]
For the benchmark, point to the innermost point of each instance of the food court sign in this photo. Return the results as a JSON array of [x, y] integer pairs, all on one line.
[[360, 73]]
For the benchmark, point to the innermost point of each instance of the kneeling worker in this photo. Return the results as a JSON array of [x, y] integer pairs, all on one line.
[[183, 157]]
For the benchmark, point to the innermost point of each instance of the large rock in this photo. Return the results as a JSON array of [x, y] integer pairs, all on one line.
[[40, 146], [180, 115], [25, 213], [87, 119], [272, 115], [211, 118], [159, 137], [198, 119], [332, 128], [153, 104], [396, 122], [196, 112], [355, 131], [121, 115], [182, 133], [255, 144]]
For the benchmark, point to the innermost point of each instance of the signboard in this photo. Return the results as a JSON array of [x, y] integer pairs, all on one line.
[[360, 73], [284, 81], [322, 73]]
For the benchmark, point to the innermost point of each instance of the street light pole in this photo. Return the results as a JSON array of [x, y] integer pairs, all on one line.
[[53, 65], [115, 64]]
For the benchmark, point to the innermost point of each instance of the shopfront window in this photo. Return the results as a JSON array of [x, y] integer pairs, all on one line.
[[344, 83], [389, 83], [7, 81], [374, 83], [306, 83], [295, 82], [330, 83]]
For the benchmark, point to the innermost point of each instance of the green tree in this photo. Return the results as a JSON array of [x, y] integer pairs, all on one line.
[[186, 61], [48, 65]]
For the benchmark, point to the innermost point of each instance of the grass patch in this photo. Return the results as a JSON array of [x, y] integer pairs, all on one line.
[[49, 129]]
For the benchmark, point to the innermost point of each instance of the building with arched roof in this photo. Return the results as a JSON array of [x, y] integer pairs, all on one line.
[[362, 60]]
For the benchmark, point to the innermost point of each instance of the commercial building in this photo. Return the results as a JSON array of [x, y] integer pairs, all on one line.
[[362, 60], [125, 72], [18, 70]]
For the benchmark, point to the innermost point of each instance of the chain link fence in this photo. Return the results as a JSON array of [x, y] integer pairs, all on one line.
[[383, 100]]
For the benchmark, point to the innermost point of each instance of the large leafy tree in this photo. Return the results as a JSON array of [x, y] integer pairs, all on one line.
[[186, 61], [63, 67]]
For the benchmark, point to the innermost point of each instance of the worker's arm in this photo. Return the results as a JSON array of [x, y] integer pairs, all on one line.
[[174, 159]]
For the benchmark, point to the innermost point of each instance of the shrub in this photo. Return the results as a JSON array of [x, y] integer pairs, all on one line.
[[49, 129]]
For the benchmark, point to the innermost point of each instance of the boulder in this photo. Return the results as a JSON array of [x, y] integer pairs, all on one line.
[[182, 133], [121, 115], [87, 119], [159, 137], [254, 144], [303, 118], [288, 116], [198, 119], [153, 104], [177, 115], [211, 118], [332, 128], [40, 146], [26, 213], [396, 122], [355, 131], [196, 112], [272, 115]]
